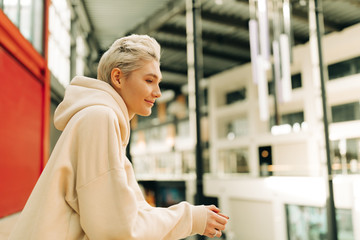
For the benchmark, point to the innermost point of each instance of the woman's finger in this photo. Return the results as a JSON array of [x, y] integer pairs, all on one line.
[[218, 233], [214, 208], [224, 216], [221, 219], [219, 226]]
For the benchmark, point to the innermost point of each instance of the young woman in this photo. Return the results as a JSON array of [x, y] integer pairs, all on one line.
[[88, 189]]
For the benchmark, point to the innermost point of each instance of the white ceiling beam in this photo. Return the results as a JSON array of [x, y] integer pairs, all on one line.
[[159, 18], [174, 78]]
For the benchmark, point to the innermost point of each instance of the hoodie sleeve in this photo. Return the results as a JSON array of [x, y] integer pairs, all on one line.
[[109, 207]]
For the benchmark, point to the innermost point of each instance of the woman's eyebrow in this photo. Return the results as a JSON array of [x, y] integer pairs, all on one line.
[[154, 76]]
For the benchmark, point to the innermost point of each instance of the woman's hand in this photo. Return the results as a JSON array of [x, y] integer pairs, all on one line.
[[215, 222]]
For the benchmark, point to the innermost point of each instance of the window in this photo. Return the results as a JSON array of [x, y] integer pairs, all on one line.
[[27, 15], [296, 82], [236, 127], [38, 25], [345, 155], [344, 68], [345, 112], [25, 24], [11, 9], [234, 96], [290, 118], [233, 160], [308, 222], [59, 41], [80, 55]]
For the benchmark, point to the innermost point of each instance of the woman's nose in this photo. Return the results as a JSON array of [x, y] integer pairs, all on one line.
[[157, 92]]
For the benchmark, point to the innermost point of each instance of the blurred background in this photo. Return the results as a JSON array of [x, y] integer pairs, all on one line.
[[259, 111]]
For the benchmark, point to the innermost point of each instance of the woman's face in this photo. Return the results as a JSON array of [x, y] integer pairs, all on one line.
[[140, 90]]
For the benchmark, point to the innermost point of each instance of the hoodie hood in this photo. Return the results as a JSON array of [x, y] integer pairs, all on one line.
[[83, 92]]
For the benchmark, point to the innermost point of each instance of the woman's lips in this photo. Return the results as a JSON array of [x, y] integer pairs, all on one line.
[[150, 102]]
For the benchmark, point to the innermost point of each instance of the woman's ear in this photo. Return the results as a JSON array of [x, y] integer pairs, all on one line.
[[116, 75]]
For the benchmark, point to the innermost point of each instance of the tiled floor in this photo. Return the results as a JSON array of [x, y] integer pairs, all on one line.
[[6, 225]]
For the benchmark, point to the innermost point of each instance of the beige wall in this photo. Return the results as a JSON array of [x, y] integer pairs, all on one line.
[[257, 225]]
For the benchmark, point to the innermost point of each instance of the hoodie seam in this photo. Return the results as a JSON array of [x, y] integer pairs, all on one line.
[[97, 177]]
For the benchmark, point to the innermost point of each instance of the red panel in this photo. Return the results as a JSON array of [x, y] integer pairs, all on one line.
[[21, 119]]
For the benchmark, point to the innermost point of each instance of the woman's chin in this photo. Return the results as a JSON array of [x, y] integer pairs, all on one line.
[[145, 113]]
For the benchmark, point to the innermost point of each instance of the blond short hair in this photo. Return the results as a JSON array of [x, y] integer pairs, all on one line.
[[128, 54]]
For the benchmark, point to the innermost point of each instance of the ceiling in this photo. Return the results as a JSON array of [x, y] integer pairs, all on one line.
[[225, 32]]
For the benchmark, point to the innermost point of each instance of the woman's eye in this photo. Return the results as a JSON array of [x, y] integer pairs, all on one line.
[[149, 81]]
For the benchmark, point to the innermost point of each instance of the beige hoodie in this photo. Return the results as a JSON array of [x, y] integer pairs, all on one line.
[[88, 189]]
